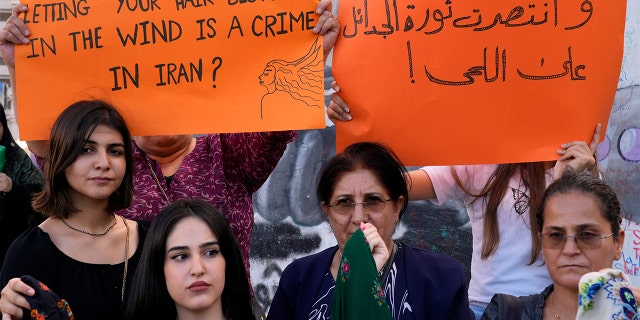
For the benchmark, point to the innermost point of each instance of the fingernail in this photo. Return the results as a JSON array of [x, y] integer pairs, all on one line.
[[336, 88], [348, 117], [362, 226], [31, 291], [564, 145]]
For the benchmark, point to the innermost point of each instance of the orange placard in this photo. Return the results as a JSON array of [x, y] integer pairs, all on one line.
[[174, 67], [484, 81]]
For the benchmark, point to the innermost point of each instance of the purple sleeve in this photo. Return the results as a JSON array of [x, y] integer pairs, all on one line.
[[251, 157]]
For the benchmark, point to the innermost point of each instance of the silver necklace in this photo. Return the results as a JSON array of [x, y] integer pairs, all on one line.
[[89, 233], [126, 259]]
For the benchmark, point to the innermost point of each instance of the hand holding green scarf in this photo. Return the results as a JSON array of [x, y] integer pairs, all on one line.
[[358, 293]]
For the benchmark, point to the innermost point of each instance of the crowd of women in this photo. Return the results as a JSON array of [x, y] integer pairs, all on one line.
[[92, 253]]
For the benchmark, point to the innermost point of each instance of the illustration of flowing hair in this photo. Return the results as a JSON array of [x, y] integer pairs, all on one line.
[[303, 77]]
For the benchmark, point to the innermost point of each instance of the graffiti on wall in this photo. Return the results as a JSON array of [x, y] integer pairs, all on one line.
[[619, 154], [630, 260], [619, 158]]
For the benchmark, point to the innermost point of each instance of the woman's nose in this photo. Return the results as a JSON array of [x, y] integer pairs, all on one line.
[[359, 214], [570, 246], [102, 161], [197, 266]]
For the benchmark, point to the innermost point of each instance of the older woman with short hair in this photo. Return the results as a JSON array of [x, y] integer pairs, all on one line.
[[366, 184], [579, 217]]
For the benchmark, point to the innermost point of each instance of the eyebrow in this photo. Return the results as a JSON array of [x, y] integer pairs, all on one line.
[[579, 227], [110, 145], [203, 245], [374, 194], [368, 194], [209, 244]]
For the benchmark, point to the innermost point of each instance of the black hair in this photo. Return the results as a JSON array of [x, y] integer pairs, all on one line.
[[68, 137], [372, 156], [149, 297]]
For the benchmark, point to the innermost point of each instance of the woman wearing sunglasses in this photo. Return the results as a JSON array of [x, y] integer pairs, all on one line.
[[579, 218]]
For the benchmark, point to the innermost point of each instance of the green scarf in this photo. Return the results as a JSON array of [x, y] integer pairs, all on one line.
[[358, 293]]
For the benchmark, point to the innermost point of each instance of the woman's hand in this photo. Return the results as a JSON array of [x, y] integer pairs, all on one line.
[[12, 300], [577, 155], [378, 247], [327, 26], [338, 109], [6, 183], [14, 32]]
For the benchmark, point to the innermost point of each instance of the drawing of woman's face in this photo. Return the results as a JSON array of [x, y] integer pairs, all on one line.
[[268, 78]]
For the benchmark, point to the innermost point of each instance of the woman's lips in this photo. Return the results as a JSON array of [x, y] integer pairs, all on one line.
[[199, 286]]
